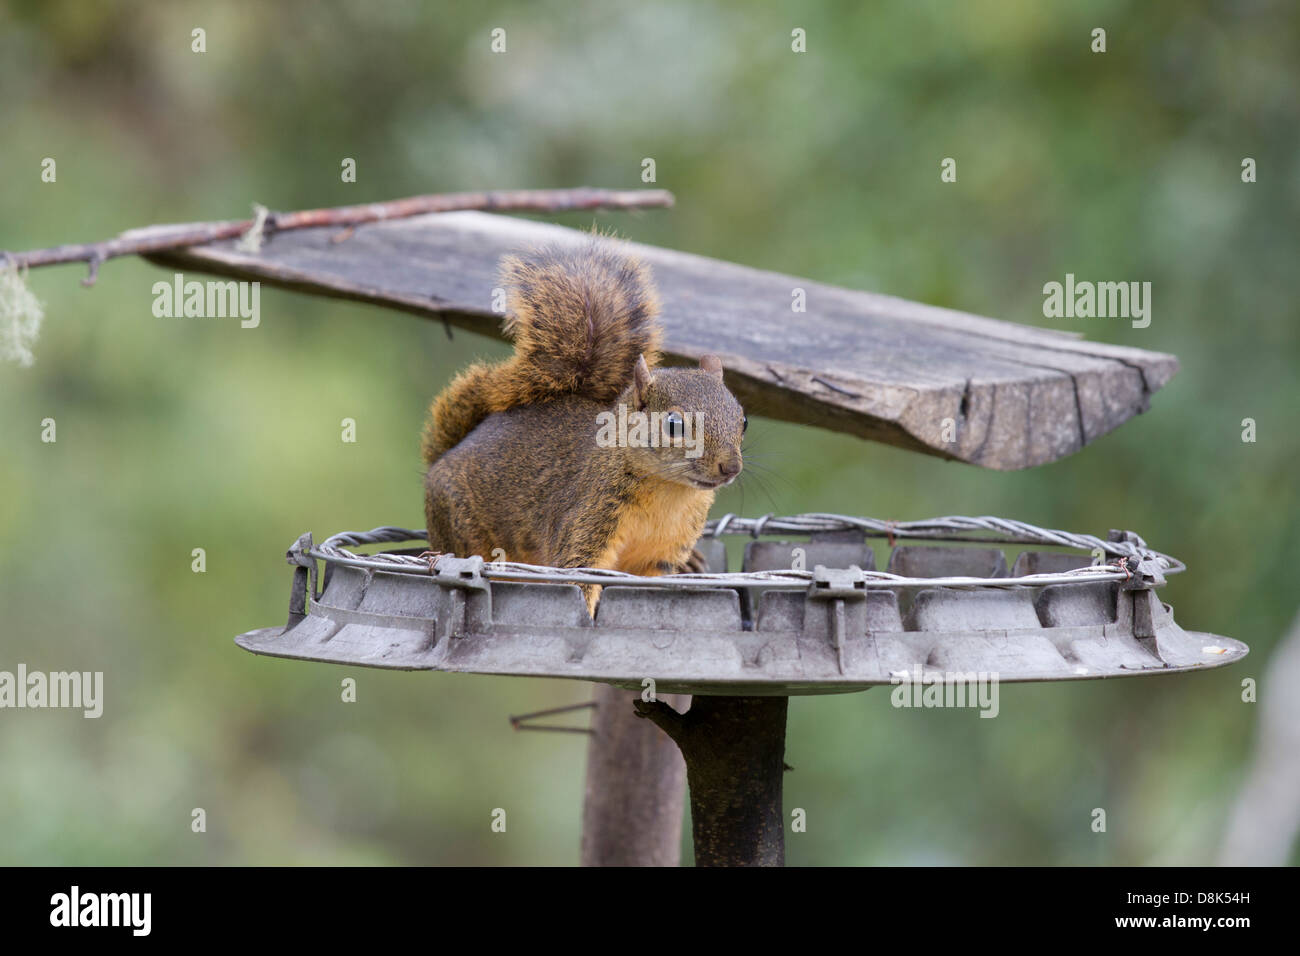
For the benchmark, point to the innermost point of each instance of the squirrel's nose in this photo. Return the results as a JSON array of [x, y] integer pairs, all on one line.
[[729, 468]]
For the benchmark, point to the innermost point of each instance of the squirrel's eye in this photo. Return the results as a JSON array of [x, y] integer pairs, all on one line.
[[744, 424], [675, 425]]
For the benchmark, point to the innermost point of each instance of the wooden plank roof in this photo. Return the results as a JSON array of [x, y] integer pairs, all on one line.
[[1008, 396]]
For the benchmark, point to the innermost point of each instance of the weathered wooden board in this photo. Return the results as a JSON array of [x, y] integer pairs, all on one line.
[[1009, 396]]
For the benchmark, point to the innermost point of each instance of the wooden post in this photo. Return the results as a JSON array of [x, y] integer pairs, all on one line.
[[636, 787]]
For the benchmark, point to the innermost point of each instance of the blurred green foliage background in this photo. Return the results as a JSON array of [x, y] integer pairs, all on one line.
[[176, 434]]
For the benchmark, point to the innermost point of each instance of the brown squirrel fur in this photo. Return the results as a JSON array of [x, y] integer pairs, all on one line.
[[514, 461], [579, 319]]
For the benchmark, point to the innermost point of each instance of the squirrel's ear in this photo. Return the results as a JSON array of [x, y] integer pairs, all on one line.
[[641, 381], [711, 364]]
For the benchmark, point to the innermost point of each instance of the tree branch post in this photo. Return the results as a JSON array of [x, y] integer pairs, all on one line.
[[734, 749]]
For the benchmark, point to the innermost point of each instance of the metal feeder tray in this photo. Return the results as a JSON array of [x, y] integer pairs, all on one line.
[[773, 629]]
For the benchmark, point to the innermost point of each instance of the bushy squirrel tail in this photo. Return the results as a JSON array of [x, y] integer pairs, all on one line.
[[579, 317]]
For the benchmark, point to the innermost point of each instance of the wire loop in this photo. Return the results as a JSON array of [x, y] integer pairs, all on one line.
[[1126, 548]]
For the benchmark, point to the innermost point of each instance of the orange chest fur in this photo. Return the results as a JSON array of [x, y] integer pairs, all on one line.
[[660, 524]]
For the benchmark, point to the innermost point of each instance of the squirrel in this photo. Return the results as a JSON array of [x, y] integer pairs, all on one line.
[[579, 451]]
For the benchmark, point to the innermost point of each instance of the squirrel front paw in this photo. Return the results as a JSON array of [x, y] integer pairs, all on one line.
[[694, 563]]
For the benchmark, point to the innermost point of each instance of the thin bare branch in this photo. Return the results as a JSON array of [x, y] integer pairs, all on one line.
[[156, 238]]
